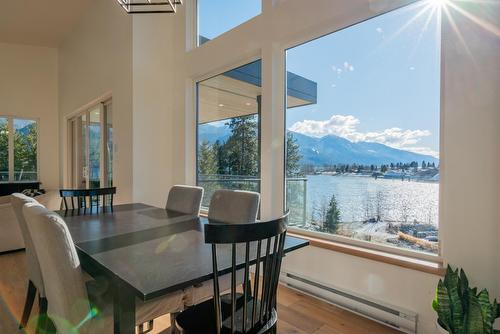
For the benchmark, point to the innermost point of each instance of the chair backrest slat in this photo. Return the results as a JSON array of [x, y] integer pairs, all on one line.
[[81, 195], [256, 279], [245, 286], [263, 298], [233, 288]]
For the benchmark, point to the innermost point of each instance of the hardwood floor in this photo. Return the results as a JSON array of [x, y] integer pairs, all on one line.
[[298, 314]]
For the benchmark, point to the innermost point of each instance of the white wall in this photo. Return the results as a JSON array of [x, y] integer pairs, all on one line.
[[153, 114], [471, 106], [28, 88], [96, 59]]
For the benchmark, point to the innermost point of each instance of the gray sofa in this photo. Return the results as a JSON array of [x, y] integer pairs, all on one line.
[[10, 234]]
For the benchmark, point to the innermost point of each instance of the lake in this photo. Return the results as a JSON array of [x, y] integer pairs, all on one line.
[[360, 198]]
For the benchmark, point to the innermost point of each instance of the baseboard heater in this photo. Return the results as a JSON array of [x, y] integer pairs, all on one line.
[[395, 317]]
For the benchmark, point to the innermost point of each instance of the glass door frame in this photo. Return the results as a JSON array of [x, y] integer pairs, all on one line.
[[77, 159]]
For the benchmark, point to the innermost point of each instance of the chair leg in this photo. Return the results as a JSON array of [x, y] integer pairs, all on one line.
[[28, 305], [173, 326], [42, 325], [149, 329]]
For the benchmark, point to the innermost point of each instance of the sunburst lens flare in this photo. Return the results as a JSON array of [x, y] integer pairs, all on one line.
[[438, 3]]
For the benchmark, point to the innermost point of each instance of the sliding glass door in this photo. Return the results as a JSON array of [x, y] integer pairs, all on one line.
[[91, 145]]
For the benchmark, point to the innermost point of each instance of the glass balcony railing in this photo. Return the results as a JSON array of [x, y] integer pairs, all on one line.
[[296, 192]]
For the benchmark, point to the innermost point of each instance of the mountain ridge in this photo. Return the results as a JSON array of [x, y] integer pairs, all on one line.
[[332, 149]]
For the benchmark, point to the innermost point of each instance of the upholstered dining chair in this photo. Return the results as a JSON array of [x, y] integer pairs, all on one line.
[[185, 199], [234, 206], [35, 281], [229, 207], [73, 304]]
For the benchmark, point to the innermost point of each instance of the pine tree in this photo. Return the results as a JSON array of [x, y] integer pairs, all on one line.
[[293, 157], [242, 146], [4, 151], [25, 149], [220, 157], [207, 160], [332, 218]]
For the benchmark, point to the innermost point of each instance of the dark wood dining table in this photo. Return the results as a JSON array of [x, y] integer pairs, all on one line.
[[147, 252]]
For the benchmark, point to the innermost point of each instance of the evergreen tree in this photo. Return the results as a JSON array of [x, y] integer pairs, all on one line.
[[242, 146], [424, 165], [4, 151], [220, 157], [293, 157], [332, 218], [25, 151], [207, 159]]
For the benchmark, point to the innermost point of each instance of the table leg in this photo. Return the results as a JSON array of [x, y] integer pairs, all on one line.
[[123, 310]]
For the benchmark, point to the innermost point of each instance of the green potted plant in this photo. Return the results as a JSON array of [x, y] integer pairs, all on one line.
[[461, 309]]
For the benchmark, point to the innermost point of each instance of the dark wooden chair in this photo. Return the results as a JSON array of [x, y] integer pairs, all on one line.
[[251, 312], [78, 199]]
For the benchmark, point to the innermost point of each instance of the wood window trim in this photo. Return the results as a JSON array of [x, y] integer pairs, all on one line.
[[429, 267]]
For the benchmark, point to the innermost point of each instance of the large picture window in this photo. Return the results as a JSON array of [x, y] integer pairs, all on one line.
[[363, 160], [18, 150], [215, 17], [229, 131]]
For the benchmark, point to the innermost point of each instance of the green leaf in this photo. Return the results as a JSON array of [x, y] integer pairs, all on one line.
[[444, 306], [486, 310], [464, 289], [474, 316], [457, 313], [496, 307]]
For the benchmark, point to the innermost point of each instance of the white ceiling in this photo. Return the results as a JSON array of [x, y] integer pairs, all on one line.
[[39, 22]]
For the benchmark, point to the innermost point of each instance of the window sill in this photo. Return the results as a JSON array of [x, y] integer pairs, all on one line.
[[429, 267]]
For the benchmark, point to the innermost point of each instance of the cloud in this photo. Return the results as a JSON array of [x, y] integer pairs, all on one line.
[[379, 30], [339, 125], [345, 126]]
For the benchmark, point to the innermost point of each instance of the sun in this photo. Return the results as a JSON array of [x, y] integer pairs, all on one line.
[[438, 3]]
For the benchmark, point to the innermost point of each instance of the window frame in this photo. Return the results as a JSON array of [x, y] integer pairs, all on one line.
[[195, 35], [11, 152], [102, 104], [342, 240], [272, 49], [204, 210]]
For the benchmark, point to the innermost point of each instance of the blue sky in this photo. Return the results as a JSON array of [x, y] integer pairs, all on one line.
[[218, 16], [377, 80], [379, 85]]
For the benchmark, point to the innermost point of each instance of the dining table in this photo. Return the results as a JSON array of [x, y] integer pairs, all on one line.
[[147, 252]]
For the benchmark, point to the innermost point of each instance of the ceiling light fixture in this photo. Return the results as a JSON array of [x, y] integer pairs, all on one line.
[[149, 6]]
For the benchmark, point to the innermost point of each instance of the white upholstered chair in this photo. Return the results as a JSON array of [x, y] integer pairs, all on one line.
[[230, 207], [73, 304], [35, 281], [185, 199], [234, 206]]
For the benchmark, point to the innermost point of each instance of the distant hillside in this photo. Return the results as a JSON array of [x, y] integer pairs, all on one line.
[[212, 133], [336, 150], [330, 150]]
